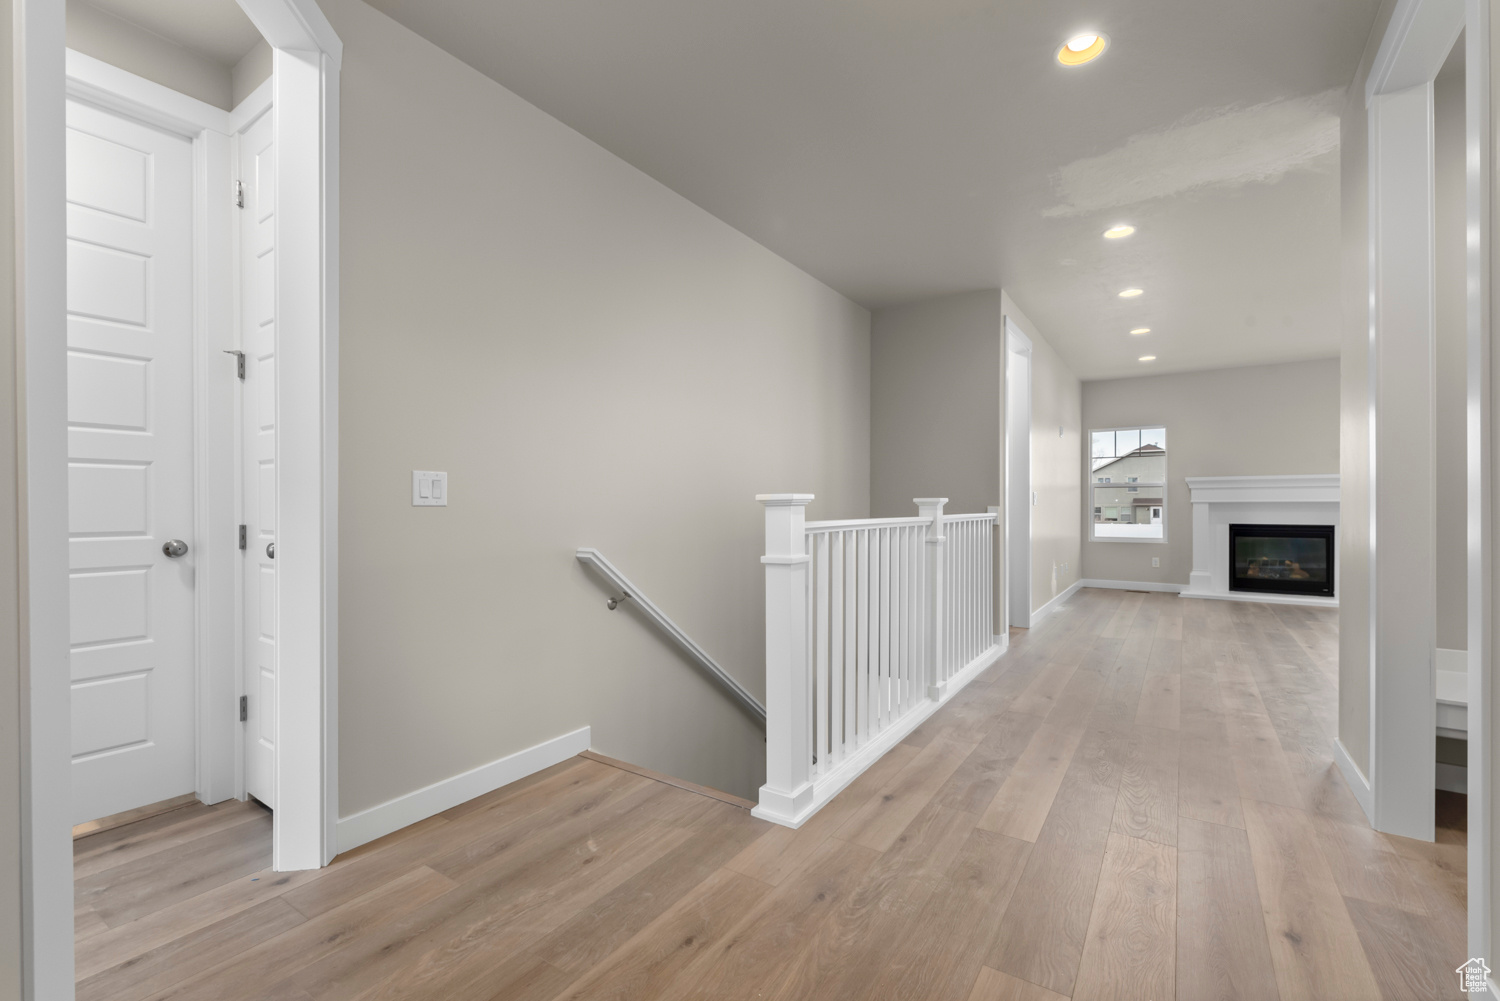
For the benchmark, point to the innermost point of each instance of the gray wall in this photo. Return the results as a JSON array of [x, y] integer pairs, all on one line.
[[250, 72], [935, 414], [1451, 358], [1056, 402], [1258, 420], [121, 43], [595, 361]]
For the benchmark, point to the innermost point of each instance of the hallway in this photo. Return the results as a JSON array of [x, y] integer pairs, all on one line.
[[1138, 801]]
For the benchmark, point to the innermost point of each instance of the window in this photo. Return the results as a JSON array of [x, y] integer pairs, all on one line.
[[1137, 457]]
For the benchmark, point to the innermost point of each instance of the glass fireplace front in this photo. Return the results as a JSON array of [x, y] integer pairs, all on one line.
[[1281, 559]]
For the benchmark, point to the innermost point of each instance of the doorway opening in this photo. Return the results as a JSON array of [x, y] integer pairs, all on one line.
[[114, 396], [158, 233], [1430, 195]]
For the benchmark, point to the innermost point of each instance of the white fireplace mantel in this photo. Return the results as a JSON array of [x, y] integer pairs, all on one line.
[[1221, 501]]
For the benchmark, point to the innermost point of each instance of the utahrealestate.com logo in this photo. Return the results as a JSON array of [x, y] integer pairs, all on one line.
[[1474, 977]]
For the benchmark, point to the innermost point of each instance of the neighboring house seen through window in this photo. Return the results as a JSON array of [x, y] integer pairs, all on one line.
[[1137, 456]]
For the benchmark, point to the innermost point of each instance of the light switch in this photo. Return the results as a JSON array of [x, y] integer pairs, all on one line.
[[428, 488]]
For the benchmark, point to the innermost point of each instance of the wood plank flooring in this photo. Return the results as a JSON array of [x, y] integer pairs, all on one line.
[[1137, 802]]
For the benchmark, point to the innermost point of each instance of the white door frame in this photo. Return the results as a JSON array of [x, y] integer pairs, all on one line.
[[1402, 617], [1017, 480], [307, 53], [305, 94]]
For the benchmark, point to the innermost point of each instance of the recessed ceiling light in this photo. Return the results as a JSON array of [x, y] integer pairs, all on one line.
[[1119, 232], [1146, 358], [1141, 330], [1082, 48], [1131, 293]]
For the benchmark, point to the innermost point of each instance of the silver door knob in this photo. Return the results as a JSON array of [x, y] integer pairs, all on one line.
[[174, 548], [271, 550]]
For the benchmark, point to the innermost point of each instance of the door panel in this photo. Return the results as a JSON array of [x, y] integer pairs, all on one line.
[[257, 338], [130, 462]]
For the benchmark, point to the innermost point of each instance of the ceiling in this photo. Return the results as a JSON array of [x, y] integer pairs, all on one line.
[[217, 29], [901, 149]]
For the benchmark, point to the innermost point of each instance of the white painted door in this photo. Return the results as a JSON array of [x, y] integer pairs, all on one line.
[[257, 339], [130, 462]]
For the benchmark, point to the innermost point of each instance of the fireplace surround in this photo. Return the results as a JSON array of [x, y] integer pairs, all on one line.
[[1220, 502]]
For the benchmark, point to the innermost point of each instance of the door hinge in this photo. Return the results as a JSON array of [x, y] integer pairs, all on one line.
[[239, 362], [244, 708], [239, 194], [243, 541]]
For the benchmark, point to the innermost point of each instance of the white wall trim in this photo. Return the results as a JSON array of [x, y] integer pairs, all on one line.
[[403, 811], [1309, 600], [255, 104], [1016, 528], [1452, 778], [1313, 487], [1480, 43], [1420, 35], [296, 26], [1131, 585], [1402, 763], [42, 575], [305, 91], [118, 90], [1055, 603], [1358, 784]]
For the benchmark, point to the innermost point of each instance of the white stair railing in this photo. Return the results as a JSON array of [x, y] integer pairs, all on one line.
[[870, 626]]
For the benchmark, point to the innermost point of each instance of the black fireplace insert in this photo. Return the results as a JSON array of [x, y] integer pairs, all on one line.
[[1281, 559]]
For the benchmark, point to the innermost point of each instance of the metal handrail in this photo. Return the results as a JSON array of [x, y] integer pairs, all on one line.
[[595, 559]]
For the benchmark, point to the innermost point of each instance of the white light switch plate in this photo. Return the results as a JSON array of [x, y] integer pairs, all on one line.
[[429, 489]]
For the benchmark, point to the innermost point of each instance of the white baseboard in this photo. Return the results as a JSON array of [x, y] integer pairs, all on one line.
[[1452, 778], [1055, 603], [1358, 784], [1313, 600], [1132, 585], [826, 787], [403, 811]]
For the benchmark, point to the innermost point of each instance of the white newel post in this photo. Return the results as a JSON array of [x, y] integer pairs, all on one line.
[[788, 792], [932, 509]]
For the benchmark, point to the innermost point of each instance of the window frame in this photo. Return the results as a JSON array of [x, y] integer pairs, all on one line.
[[1092, 486]]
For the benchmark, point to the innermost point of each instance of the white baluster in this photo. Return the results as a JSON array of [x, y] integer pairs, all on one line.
[[836, 648], [864, 668], [820, 663], [788, 791], [898, 675], [851, 644], [965, 591], [919, 614], [934, 617], [882, 629]]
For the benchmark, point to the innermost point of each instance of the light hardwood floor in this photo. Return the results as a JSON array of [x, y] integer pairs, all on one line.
[[1137, 802]]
